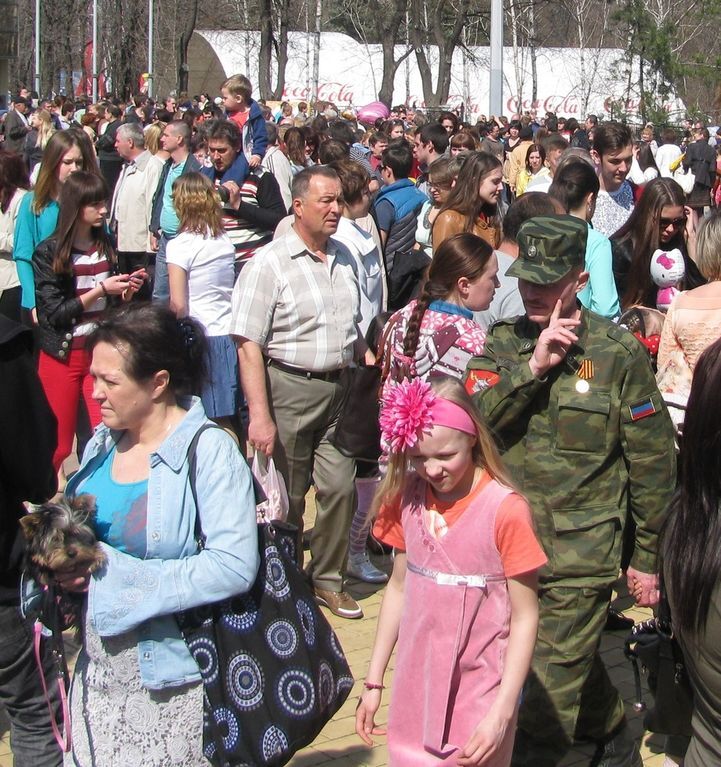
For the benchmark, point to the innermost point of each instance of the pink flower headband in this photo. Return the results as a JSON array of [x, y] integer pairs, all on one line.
[[411, 409]]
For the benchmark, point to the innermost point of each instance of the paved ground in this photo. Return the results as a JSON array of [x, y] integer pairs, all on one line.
[[339, 746]]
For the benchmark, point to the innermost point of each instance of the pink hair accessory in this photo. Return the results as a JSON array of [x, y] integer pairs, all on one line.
[[411, 408], [406, 413], [447, 413]]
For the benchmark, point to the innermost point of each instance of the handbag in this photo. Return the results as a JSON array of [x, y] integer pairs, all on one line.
[[653, 645], [358, 433], [273, 670]]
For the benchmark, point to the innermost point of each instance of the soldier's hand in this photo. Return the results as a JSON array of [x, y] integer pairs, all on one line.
[[554, 342], [643, 587]]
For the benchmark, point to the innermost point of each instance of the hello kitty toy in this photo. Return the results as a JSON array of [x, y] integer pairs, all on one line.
[[667, 270]]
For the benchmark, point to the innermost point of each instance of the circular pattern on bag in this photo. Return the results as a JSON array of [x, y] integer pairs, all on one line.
[[344, 683], [227, 725], [209, 751], [335, 646], [276, 582], [203, 651], [282, 638], [274, 743], [241, 615], [307, 621], [245, 681], [326, 685], [295, 692]]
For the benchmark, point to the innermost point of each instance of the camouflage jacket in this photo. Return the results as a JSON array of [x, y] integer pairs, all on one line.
[[586, 444]]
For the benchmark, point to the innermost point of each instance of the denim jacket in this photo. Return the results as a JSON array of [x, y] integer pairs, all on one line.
[[144, 594]]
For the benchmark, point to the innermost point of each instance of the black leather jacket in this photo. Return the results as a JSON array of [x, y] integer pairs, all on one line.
[[59, 309]]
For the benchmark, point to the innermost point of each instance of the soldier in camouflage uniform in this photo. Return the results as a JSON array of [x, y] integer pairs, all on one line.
[[573, 402]]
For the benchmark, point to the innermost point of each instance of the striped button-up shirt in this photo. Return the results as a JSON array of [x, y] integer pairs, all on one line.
[[301, 311]]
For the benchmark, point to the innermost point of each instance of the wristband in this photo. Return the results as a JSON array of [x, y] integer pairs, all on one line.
[[105, 292], [371, 686]]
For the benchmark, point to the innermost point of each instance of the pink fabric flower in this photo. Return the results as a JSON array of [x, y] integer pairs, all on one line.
[[406, 413]]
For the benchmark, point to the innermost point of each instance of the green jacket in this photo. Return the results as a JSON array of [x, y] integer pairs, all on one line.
[[582, 458]]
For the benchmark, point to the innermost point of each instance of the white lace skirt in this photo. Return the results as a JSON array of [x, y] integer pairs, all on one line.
[[117, 721]]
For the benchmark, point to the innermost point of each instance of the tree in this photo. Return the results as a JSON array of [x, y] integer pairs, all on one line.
[[589, 20], [440, 23], [186, 32], [272, 44], [384, 21]]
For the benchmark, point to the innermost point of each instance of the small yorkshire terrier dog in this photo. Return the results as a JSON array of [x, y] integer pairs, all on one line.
[[61, 537]]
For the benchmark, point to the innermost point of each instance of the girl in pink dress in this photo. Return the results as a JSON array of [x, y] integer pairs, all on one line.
[[461, 603]]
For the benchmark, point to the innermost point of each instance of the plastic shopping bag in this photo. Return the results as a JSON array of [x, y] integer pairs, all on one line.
[[275, 508]]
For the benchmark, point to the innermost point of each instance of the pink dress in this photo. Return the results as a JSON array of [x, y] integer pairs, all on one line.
[[453, 633]]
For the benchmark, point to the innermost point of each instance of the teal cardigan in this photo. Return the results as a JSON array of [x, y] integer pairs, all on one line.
[[30, 230]]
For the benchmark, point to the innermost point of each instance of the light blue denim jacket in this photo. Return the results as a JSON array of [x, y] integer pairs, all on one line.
[[144, 594]]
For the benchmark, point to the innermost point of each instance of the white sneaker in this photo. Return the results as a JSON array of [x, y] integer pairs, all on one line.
[[361, 567]]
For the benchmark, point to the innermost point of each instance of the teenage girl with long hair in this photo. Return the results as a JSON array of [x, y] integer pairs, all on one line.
[[461, 605], [534, 168], [437, 331], [201, 273], [661, 219], [691, 556], [67, 151], [75, 279], [472, 205]]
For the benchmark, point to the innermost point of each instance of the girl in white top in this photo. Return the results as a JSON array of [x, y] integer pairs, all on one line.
[[200, 271]]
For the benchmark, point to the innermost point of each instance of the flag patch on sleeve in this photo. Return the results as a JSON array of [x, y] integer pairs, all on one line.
[[479, 380], [641, 409]]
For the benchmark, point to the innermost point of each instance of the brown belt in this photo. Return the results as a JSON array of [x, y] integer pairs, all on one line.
[[331, 376]]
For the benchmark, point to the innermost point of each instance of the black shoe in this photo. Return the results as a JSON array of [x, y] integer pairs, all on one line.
[[620, 751], [617, 621]]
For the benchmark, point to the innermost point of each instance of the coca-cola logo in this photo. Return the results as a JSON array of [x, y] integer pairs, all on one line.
[[634, 105], [338, 93], [566, 105]]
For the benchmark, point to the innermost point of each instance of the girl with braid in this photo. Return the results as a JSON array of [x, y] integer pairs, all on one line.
[[436, 334]]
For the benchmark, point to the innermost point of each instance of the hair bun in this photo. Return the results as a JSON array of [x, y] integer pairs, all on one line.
[[188, 330]]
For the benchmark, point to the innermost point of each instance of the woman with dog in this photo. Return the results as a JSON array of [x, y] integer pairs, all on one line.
[[137, 696]]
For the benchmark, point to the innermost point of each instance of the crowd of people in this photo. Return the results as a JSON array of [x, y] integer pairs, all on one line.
[[538, 295]]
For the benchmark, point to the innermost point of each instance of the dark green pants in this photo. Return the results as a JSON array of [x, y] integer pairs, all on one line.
[[568, 695]]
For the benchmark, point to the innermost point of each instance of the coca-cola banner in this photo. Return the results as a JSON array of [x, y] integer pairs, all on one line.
[[350, 74]]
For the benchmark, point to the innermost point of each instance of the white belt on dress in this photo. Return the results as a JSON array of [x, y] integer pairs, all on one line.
[[453, 579]]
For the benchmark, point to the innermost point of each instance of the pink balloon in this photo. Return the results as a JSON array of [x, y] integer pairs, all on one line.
[[371, 112]]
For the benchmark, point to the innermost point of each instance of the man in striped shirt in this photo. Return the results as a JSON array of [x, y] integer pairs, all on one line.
[[252, 202]]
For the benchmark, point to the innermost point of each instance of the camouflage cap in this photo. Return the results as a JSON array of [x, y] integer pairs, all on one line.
[[548, 248]]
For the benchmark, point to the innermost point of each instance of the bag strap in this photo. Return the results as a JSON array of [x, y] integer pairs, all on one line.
[[192, 467], [192, 473], [664, 608]]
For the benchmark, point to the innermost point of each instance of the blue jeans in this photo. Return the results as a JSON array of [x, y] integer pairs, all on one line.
[[161, 286], [31, 736]]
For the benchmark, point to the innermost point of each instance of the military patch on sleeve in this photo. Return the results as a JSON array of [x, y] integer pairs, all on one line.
[[480, 380], [641, 409]]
